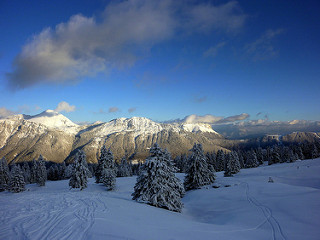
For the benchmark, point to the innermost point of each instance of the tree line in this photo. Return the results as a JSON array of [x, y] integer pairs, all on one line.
[[156, 182]]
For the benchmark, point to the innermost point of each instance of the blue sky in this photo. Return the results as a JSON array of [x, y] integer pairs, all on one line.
[[161, 59]]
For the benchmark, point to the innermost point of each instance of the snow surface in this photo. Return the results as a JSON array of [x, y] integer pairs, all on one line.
[[53, 119], [251, 208]]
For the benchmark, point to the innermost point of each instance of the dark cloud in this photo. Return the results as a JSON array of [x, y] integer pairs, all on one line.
[[84, 46], [113, 109]]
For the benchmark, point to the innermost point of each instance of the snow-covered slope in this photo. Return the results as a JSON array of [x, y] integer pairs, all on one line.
[[250, 208], [131, 136], [55, 120]]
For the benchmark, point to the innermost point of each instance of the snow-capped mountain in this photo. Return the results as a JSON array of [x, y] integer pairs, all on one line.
[[55, 120], [56, 137]]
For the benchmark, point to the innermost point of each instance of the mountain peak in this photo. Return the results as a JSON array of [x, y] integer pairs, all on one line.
[[53, 119]]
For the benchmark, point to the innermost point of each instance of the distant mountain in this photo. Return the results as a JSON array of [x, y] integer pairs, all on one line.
[[260, 128], [51, 134]]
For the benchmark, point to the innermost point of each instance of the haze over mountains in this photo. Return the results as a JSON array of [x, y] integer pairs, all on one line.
[[23, 137]]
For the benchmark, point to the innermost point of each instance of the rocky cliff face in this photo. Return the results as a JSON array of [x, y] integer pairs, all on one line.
[[23, 138]]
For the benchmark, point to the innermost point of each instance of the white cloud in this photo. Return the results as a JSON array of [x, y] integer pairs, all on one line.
[[263, 48], [212, 51], [4, 112], [214, 119], [85, 46], [201, 119], [66, 107]]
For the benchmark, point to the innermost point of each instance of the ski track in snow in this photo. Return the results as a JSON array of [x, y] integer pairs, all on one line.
[[267, 212], [54, 221]]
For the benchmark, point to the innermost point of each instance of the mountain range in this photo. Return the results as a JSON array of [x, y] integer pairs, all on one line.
[[24, 137]]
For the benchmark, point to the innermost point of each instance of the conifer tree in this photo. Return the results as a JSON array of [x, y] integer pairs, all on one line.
[[275, 156], [252, 161], [4, 175], [314, 151], [300, 153], [79, 177], [33, 170], [101, 164], [232, 165], [17, 183], [109, 171], [220, 161], [26, 172], [198, 173], [124, 168], [259, 154], [41, 172], [157, 184]]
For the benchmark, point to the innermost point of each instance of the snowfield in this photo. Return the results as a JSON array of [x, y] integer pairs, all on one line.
[[250, 208]]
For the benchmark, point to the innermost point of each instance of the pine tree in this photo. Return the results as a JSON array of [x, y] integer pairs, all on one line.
[[34, 170], [314, 152], [157, 184], [252, 161], [124, 168], [220, 161], [109, 171], [4, 175], [300, 153], [79, 177], [26, 172], [198, 173], [232, 165], [259, 154], [275, 156], [17, 183], [101, 164], [41, 172]]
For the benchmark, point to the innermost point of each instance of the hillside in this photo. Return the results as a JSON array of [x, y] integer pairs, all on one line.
[[251, 208], [23, 138]]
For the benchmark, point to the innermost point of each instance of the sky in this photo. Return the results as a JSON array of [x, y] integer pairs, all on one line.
[[99, 60]]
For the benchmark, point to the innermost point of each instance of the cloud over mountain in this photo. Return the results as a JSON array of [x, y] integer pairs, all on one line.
[[85, 46], [66, 107]]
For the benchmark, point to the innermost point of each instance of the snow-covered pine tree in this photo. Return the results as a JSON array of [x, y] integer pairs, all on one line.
[[124, 168], [4, 175], [101, 164], [252, 161], [211, 160], [109, 171], [220, 161], [26, 172], [232, 165], [259, 153], [314, 151], [79, 177], [41, 172], [33, 171], [300, 153], [241, 160], [198, 173], [17, 183], [275, 156], [157, 184]]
